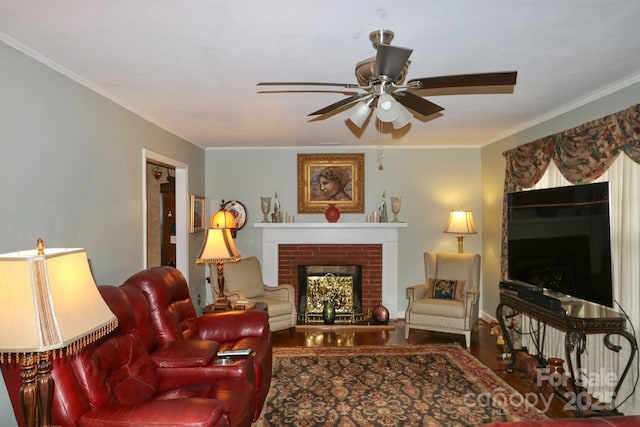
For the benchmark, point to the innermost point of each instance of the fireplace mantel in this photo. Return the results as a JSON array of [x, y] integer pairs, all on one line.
[[385, 234]]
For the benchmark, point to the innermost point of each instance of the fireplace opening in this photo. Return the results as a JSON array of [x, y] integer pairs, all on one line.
[[340, 284]]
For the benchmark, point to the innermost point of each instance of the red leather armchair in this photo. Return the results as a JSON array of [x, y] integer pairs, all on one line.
[[174, 320]]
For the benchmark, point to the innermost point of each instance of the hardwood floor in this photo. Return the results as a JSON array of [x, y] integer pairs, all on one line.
[[483, 346]]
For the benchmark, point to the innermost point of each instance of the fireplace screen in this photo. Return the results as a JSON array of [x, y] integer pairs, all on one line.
[[341, 284], [338, 289]]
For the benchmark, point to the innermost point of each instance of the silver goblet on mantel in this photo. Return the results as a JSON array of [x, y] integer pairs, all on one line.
[[265, 205], [396, 203]]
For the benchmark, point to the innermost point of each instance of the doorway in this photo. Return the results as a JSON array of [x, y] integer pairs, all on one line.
[[161, 218], [165, 215]]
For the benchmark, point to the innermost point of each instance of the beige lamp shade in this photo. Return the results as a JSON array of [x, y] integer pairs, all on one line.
[[50, 301], [461, 222], [223, 219], [218, 246]]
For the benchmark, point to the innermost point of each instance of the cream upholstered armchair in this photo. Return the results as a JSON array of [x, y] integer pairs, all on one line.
[[243, 280], [449, 300]]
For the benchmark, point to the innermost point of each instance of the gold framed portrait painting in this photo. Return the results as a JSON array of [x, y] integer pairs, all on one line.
[[325, 179]]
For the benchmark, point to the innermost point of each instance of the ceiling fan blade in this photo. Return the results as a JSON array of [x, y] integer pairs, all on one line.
[[416, 103], [338, 104], [390, 60], [507, 78], [346, 85]]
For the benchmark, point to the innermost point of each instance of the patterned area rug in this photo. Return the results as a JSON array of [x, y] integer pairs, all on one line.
[[434, 385]]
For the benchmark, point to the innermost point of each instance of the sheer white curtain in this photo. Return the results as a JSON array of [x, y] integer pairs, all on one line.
[[624, 182]]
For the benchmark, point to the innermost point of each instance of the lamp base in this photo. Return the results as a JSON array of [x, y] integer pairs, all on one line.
[[29, 390], [221, 303]]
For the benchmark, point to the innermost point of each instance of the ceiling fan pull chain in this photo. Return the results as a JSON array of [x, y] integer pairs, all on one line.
[[380, 154], [380, 157]]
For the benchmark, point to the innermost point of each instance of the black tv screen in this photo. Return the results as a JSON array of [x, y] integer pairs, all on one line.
[[559, 239]]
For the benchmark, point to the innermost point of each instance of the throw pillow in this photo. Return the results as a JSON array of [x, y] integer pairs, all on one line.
[[446, 288]]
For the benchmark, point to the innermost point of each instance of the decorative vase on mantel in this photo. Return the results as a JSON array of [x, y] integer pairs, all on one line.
[[332, 213]]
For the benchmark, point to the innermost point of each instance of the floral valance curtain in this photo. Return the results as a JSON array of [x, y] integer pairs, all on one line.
[[581, 154]]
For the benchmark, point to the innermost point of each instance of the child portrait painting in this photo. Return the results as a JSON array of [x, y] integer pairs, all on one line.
[[325, 179]]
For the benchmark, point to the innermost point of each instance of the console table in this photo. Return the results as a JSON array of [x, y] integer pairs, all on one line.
[[578, 318]]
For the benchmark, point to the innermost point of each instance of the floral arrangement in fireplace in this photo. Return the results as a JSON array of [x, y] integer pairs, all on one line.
[[329, 287]]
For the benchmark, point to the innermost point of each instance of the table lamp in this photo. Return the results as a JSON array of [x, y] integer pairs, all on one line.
[[50, 306], [460, 223], [219, 248]]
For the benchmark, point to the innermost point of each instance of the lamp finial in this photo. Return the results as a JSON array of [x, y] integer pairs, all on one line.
[[40, 246]]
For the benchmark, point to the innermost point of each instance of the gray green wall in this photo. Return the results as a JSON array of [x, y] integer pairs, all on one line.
[[71, 173], [431, 181]]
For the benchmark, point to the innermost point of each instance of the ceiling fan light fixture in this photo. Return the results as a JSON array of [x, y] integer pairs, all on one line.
[[360, 113], [403, 119], [388, 108], [386, 102]]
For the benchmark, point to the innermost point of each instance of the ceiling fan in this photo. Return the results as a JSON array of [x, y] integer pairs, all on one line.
[[381, 80]]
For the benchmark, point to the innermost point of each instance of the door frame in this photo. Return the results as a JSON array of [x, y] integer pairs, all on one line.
[[182, 208]]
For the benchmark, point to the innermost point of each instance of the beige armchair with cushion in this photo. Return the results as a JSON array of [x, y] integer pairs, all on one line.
[[243, 280], [449, 300]]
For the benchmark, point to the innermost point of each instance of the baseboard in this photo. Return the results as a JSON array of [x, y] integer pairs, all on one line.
[[487, 317]]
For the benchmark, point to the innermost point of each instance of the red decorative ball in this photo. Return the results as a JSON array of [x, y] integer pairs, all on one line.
[[332, 213]]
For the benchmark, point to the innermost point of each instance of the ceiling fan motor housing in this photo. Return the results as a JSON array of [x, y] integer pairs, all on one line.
[[365, 72], [380, 36]]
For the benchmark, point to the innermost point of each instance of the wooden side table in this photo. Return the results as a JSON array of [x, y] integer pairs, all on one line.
[[259, 306]]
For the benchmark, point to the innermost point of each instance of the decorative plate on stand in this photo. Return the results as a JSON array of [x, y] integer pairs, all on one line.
[[239, 211]]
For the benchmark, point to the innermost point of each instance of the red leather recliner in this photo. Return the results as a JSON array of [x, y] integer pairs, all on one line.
[[174, 319], [115, 382], [181, 365], [176, 360]]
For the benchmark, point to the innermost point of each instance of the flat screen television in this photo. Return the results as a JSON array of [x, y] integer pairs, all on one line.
[[559, 239]]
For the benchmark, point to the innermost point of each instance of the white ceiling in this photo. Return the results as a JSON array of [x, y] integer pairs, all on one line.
[[192, 66]]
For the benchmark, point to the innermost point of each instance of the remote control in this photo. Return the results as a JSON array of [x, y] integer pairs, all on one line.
[[235, 352]]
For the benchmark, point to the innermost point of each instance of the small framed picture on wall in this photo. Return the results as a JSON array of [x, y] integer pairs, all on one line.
[[198, 207]]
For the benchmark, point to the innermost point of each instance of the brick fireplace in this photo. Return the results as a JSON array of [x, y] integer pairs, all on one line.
[[372, 245], [369, 256]]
